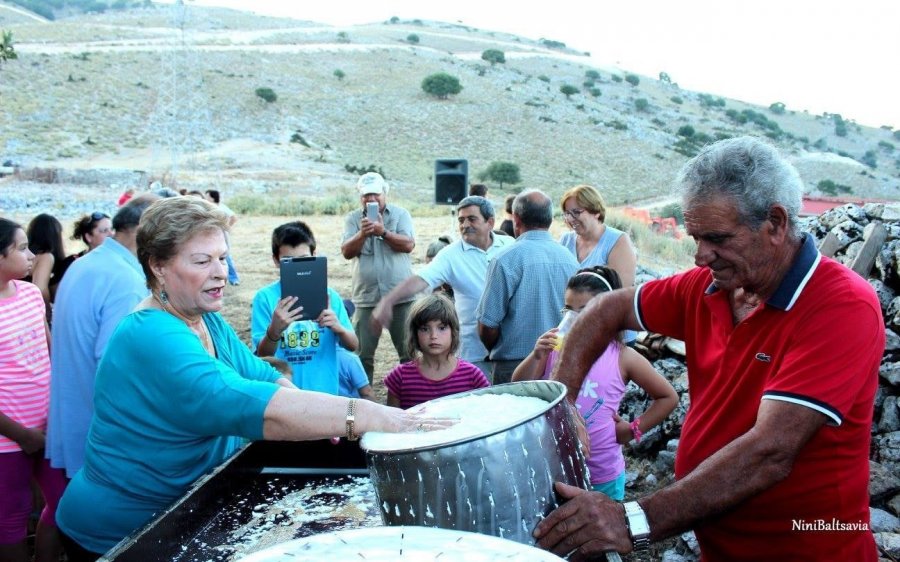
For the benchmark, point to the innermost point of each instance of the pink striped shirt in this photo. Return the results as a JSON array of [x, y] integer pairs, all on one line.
[[24, 361], [410, 386]]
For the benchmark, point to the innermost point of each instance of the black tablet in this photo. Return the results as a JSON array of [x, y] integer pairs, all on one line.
[[306, 279]]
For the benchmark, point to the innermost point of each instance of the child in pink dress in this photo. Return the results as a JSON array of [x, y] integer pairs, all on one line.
[[435, 371], [24, 401], [603, 387]]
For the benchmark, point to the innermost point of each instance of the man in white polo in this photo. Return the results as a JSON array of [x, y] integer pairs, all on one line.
[[462, 265]]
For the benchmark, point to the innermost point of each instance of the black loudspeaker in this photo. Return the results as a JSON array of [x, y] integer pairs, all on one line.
[[451, 180]]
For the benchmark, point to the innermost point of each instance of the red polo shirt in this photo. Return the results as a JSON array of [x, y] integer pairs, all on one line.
[[817, 342]]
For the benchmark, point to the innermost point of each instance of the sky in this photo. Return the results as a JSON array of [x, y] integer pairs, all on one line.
[[819, 56]]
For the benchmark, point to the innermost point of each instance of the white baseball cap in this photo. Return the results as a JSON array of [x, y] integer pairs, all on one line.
[[371, 182]]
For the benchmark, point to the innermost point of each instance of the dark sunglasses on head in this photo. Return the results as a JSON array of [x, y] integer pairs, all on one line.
[[97, 215]]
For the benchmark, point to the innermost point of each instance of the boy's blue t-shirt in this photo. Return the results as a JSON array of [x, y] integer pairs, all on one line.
[[308, 348], [351, 373]]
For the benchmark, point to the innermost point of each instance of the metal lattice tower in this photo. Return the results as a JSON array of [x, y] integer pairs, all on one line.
[[181, 124]]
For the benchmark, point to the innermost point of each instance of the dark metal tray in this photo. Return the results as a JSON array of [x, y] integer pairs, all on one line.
[[269, 492]]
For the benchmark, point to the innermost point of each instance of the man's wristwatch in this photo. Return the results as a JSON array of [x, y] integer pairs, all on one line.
[[638, 527], [351, 420]]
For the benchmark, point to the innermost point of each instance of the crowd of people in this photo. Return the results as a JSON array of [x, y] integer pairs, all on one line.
[[104, 355]]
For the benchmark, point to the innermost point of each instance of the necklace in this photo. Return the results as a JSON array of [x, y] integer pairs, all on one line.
[[197, 327]]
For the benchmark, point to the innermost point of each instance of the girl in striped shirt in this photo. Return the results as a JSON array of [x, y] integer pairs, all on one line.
[[24, 401], [435, 371]]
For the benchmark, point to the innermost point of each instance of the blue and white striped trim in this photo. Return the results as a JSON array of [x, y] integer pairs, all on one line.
[[833, 415]]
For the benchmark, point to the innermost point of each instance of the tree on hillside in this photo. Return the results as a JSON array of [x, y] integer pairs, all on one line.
[[339, 74], [268, 94], [7, 52], [493, 56], [568, 90], [412, 38], [441, 85], [632, 79], [501, 172]]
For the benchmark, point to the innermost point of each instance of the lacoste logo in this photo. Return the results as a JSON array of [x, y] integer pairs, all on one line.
[[763, 357]]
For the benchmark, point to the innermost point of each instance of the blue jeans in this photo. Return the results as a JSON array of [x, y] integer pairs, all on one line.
[[232, 272]]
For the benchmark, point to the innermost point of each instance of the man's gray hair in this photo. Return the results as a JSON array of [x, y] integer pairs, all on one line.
[[484, 205], [749, 171], [534, 208]]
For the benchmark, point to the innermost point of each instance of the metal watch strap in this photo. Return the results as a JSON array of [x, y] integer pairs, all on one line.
[[351, 420], [638, 526]]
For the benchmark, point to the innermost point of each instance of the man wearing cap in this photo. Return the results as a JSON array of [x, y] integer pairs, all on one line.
[[380, 252]]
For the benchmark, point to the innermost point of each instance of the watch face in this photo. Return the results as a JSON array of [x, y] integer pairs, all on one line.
[[638, 526]]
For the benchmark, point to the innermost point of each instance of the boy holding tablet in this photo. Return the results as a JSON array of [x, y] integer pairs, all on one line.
[[277, 328]]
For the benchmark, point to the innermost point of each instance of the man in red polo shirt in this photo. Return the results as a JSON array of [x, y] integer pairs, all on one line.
[[783, 349]]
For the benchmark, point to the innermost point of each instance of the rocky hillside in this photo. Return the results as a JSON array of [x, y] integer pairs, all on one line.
[[173, 93]]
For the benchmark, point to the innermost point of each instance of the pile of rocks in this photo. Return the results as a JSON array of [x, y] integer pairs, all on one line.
[[651, 462]]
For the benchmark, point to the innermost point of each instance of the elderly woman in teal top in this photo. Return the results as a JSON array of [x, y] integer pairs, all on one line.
[[176, 386], [592, 241]]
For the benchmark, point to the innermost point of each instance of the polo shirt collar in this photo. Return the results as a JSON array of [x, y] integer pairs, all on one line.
[[795, 280], [466, 246]]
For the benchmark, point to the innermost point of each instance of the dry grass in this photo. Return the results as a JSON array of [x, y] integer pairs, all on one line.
[[109, 112]]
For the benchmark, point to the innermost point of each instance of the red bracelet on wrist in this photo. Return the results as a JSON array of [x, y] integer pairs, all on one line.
[[636, 430]]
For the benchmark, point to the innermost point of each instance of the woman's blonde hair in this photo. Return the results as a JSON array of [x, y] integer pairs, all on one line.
[[431, 307], [168, 223], [588, 198]]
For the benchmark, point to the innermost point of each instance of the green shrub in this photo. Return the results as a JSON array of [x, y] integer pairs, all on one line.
[[676, 100], [339, 74], [267, 94], [632, 79], [616, 78], [412, 38], [617, 125], [342, 37], [869, 159], [840, 126], [551, 44], [777, 108], [364, 169], [544, 78], [685, 131], [595, 92], [592, 75], [707, 100], [886, 146], [568, 90], [298, 138], [664, 77], [830, 187], [641, 104], [441, 85], [493, 56]]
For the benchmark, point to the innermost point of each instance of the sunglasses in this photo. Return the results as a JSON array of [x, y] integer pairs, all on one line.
[[97, 215]]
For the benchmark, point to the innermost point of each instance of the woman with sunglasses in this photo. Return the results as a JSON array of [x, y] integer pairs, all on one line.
[[92, 229], [592, 241]]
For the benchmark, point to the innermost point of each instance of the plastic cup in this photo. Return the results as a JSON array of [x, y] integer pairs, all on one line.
[[563, 329]]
